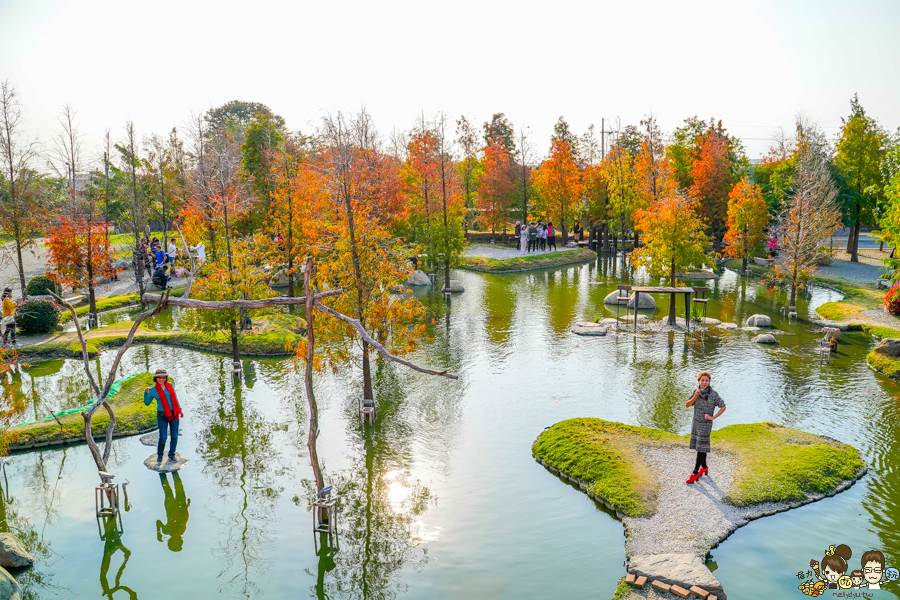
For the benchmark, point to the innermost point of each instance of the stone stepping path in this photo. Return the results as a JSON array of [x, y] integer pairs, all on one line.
[[167, 465]]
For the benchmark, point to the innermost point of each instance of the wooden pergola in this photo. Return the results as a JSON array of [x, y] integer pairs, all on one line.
[[673, 293]]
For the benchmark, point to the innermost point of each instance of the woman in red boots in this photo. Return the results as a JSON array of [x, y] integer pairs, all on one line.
[[705, 400]]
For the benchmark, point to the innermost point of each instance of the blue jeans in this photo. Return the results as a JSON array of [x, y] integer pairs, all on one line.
[[166, 426]]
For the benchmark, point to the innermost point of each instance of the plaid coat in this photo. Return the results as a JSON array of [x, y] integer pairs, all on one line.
[[700, 426]]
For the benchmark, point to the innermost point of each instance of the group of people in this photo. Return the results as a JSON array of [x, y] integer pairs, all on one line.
[[161, 264], [533, 236]]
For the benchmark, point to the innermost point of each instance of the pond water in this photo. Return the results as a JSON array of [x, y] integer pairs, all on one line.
[[441, 498]]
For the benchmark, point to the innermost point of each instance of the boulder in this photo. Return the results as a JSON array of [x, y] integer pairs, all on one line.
[[728, 326], [418, 278], [609, 321], [884, 284], [710, 321], [684, 570], [631, 318], [889, 347], [13, 553], [611, 297], [167, 465], [765, 338], [645, 301], [9, 587], [456, 286], [831, 332], [588, 328], [759, 321]]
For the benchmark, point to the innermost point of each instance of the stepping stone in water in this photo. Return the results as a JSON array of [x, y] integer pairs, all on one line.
[[728, 326], [167, 465], [751, 329], [152, 438], [588, 328], [710, 321]]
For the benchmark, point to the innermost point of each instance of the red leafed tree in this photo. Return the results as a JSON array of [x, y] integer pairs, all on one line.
[[748, 216], [79, 252], [496, 186], [559, 186], [712, 182]]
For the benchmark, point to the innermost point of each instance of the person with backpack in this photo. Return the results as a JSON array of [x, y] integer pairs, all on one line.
[[551, 236], [168, 411]]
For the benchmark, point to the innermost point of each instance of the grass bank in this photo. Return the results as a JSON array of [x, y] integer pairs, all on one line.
[[883, 364], [774, 463], [528, 262], [113, 302], [132, 418]]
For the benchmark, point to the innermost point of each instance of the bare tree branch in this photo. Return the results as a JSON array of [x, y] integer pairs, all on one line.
[[381, 349], [239, 304]]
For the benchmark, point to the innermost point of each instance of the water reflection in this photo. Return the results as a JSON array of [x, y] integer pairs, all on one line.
[[111, 534], [176, 513]]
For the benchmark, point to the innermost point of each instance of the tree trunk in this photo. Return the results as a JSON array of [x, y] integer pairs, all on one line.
[[743, 265], [235, 354], [310, 398], [854, 252], [21, 265], [367, 374]]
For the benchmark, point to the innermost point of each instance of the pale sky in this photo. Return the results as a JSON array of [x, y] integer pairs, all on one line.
[[752, 64]]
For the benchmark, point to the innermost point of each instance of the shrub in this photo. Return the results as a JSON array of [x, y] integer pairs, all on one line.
[[37, 316], [892, 300], [40, 285]]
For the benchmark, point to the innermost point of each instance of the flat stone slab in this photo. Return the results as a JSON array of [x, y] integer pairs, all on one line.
[[588, 328], [630, 319], [152, 438], [710, 321], [835, 324], [683, 570], [609, 321], [751, 329], [167, 465], [729, 326]]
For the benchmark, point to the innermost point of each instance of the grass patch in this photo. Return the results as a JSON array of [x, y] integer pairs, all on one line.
[[132, 417], [774, 463], [622, 591], [884, 364], [528, 262], [604, 456], [777, 464], [857, 298], [103, 304], [735, 265], [881, 332], [270, 343]]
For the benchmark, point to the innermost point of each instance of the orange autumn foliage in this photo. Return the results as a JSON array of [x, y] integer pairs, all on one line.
[[79, 250], [558, 184], [712, 181], [495, 186]]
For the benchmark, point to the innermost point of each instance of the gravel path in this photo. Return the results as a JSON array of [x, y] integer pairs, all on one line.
[[882, 318], [693, 519], [861, 272]]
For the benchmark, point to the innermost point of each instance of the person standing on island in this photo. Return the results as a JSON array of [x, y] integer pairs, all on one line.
[[168, 412], [704, 400]]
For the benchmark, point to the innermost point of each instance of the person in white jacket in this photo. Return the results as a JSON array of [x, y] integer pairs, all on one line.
[[523, 239]]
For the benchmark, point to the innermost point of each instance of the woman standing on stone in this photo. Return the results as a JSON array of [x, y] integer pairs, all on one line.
[[168, 412], [704, 401]]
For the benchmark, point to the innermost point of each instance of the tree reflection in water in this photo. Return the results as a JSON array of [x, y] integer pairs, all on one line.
[[236, 445], [379, 502], [111, 534]]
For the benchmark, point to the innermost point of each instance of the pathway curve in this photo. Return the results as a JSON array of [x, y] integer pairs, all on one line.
[[498, 252]]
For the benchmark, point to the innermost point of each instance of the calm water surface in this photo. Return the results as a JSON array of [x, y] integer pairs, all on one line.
[[441, 499]]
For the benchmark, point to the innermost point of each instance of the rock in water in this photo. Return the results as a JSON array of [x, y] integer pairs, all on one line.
[[889, 347], [611, 297], [683, 570], [13, 553], [418, 278], [710, 321], [831, 332], [609, 321], [167, 465], [646, 301], [456, 286], [728, 326], [9, 587], [152, 438], [759, 321], [766, 338], [750, 329], [588, 328]]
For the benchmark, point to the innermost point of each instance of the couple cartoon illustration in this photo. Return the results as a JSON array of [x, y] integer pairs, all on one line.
[[834, 569]]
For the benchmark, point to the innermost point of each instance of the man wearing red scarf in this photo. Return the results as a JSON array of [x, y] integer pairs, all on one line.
[[168, 412]]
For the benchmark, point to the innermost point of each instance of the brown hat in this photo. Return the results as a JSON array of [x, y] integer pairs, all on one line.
[[161, 373]]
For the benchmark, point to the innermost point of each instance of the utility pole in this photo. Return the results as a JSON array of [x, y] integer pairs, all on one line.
[[106, 173]]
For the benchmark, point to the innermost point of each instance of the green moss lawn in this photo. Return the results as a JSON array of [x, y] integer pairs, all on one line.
[[132, 417], [528, 262], [775, 463]]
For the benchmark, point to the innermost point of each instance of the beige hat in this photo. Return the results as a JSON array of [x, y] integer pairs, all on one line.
[[161, 373]]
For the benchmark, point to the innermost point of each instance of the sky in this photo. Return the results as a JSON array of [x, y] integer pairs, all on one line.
[[754, 64]]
